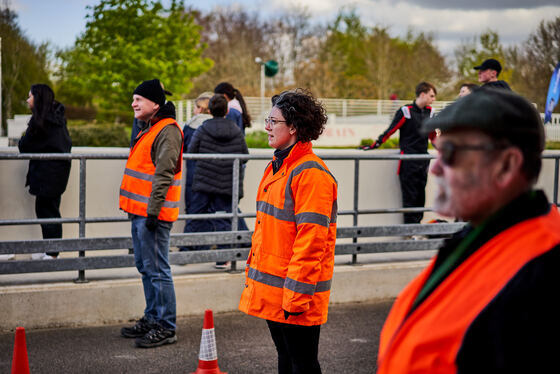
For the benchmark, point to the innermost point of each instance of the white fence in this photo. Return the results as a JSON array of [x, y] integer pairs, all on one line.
[[350, 120]]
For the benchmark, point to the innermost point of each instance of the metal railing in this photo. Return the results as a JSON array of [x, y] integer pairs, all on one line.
[[360, 236]]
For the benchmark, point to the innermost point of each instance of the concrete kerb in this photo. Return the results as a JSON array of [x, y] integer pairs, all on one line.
[[115, 301]]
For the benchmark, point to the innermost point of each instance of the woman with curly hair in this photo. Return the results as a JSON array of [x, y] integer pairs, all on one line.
[[290, 266]]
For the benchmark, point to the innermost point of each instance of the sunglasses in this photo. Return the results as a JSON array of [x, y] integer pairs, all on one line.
[[448, 150]]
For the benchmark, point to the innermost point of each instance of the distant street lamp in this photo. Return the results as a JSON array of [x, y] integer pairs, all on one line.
[[259, 61], [269, 69]]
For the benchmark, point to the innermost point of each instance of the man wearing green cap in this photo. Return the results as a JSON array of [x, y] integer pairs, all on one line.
[[150, 194], [486, 303]]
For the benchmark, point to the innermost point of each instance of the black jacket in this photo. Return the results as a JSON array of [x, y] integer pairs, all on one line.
[[47, 177], [497, 84], [410, 141], [217, 135]]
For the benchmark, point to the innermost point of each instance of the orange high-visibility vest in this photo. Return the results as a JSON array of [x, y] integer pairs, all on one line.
[[136, 186], [291, 262], [428, 340]]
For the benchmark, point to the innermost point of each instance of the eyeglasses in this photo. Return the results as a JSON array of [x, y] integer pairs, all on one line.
[[272, 122], [448, 150]]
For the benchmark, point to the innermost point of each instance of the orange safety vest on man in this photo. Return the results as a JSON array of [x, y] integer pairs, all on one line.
[[428, 339], [291, 262], [136, 186]]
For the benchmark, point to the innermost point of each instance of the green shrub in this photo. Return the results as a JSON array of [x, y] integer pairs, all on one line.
[[89, 134], [552, 145], [257, 139]]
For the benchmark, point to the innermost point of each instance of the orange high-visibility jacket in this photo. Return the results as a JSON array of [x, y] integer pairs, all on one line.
[[291, 262], [428, 340], [136, 186]]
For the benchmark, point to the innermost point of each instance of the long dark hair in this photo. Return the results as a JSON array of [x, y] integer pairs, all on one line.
[[43, 104], [227, 89]]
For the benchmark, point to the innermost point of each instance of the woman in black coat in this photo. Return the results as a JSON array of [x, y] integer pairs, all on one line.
[[47, 179]]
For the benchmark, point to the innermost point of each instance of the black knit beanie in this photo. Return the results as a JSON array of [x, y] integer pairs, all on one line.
[[151, 90]]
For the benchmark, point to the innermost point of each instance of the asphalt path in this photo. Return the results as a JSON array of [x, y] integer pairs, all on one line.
[[348, 344]]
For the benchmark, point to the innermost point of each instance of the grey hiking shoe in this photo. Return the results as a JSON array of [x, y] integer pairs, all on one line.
[[157, 336], [141, 328]]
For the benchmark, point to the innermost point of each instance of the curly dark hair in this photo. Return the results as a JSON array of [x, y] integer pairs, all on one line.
[[302, 110]]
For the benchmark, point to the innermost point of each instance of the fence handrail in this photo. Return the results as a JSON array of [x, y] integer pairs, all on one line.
[[237, 238]]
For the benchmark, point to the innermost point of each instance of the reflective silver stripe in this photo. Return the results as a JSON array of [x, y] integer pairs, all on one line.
[[287, 213], [171, 204], [279, 282], [309, 217], [323, 286], [134, 196], [144, 199], [288, 193], [271, 210], [147, 177], [300, 287], [334, 211], [268, 279], [311, 165], [138, 174]]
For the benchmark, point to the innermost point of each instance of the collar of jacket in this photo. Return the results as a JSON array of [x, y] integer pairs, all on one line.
[[279, 156], [416, 108], [299, 150], [166, 111]]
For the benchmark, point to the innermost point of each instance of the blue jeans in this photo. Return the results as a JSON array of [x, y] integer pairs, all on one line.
[[201, 202], [151, 254]]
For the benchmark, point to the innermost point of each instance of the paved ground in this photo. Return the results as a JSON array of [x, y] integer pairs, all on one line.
[[349, 343]]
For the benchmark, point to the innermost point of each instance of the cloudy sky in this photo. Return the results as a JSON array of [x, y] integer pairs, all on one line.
[[450, 21]]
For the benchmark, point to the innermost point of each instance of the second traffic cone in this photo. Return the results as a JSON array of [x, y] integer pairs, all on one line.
[[20, 361], [208, 355]]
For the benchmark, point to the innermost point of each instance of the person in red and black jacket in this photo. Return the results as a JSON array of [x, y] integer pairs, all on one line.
[[413, 174]]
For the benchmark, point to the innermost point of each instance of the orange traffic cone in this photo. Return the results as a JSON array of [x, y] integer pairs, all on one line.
[[20, 362], [208, 355]]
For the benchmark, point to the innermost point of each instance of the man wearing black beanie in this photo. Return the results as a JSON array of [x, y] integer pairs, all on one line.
[[150, 194]]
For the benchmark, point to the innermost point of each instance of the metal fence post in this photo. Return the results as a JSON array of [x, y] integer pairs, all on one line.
[[188, 111], [555, 193], [82, 215], [355, 208], [235, 204], [180, 112]]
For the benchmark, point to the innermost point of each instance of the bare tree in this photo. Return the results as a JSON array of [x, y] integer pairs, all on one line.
[[534, 61]]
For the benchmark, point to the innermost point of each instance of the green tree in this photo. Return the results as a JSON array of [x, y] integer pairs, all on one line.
[[534, 61], [234, 38], [366, 62], [23, 64], [126, 42]]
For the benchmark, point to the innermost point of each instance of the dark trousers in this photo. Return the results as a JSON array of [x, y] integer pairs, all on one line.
[[199, 203], [49, 207], [297, 347], [413, 176]]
